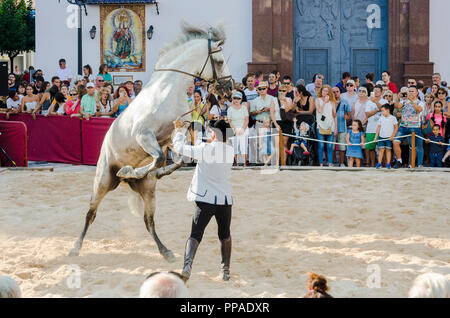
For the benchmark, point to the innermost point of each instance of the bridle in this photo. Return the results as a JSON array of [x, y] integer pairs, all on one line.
[[221, 83]]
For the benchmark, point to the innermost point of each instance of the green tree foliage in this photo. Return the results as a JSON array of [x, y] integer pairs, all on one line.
[[17, 28]]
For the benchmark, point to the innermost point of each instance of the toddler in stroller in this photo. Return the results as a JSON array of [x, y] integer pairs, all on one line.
[[300, 154]]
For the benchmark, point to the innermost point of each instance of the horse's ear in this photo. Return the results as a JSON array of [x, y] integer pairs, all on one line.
[[220, 43]]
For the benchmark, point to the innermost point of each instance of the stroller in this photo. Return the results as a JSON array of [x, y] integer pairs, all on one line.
[[298, 158]]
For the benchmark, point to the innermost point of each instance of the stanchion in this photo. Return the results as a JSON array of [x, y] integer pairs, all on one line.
[[413, 150], [281, 148]]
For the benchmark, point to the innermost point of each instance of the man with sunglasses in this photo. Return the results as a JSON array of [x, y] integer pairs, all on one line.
[[413, 82], [350, 96], [99, 82], [63, 72], [287, 80]]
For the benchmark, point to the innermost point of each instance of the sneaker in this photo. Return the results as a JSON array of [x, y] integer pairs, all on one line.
[[378, 166], [289, 152], [398, 165], [306, 153], [419, 167], [388, 166], [343, 166]]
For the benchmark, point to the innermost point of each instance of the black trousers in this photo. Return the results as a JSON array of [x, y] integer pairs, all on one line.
[[203, 214]]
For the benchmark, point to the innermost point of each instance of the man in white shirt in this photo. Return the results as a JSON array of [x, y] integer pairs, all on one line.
[[210, 189], [373, 113], [64, 73]]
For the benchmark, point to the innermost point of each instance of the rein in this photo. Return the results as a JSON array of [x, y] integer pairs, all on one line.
[[215, 79]]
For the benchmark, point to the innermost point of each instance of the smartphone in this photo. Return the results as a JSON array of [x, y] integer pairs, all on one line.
[[323, 118], [372, 94]]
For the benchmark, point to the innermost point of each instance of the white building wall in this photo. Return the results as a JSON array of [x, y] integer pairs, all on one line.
[[439, 37], [55, 40]]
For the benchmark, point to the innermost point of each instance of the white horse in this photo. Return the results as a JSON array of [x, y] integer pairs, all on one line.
[[133, 148]]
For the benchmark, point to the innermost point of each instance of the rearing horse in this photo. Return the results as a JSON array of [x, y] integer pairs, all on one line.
[[133, 148]]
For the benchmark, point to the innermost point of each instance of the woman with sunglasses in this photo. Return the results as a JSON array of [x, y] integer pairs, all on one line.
[[238, 119], [73, 105], [389, 97], [442, 97]]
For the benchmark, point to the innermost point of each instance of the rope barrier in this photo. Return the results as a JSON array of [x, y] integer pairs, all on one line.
[[433, 142], [342, 144]]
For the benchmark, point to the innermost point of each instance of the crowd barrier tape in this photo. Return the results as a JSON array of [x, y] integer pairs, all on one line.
[[342, 144]]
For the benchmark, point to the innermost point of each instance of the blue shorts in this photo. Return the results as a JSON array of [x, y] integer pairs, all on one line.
[[385, 144], [297, 142]]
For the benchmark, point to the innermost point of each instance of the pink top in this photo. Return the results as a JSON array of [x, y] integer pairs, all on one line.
[[438, 120], [72, 110]]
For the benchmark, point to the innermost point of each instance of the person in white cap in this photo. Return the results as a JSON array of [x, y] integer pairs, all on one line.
[[88, 102], [238, 119]]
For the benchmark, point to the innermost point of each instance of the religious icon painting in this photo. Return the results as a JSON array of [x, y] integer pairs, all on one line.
[[122, 37]]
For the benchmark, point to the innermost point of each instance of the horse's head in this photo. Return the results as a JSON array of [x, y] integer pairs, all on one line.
[[218, 72], [198, 52]]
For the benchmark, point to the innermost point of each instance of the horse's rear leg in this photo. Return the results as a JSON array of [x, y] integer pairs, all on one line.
[[147, 140], [146, 189], [102, 185]]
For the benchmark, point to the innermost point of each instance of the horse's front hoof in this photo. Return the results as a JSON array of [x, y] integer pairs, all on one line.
[[169, 256], [126, 173], [74, 253]]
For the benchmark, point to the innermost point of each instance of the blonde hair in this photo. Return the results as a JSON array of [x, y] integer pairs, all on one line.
[[330, 93], [101, 91]]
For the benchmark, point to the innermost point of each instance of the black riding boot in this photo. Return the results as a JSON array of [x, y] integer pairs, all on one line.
[[189, 254], [225, 249]]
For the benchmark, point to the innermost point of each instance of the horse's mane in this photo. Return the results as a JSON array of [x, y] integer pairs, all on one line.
[[190, 33]]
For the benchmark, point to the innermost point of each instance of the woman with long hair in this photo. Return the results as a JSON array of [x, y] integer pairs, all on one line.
[[87, 71], [326, 119], [121, 100], [103, 72]]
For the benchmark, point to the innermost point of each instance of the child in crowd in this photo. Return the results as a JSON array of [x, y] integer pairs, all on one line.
[[302, 132], [437, 117], [387, 129], [355, 141], [265, 142], [436, 150]]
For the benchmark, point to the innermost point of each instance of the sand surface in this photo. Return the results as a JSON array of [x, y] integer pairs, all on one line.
[[348, 226]]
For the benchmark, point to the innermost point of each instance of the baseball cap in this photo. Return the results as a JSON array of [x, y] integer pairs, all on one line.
[[90, 85], [237, 94]]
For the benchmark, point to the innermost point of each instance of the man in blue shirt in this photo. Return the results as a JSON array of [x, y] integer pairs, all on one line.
[[342, 84], [343, 112]]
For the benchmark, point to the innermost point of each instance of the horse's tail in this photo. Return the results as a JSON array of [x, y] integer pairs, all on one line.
[[135, 203]]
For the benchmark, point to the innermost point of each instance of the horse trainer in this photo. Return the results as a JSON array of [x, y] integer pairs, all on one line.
[[210, 189]]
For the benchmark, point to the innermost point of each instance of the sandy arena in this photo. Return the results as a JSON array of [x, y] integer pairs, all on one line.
[[284, 225]]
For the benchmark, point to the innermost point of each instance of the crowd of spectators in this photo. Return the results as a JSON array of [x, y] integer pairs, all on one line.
[[355, 122], [83, 96]]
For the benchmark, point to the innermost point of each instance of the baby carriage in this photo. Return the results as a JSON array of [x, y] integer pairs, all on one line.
[[298, 157]]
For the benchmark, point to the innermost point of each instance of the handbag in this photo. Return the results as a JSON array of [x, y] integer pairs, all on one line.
[[428, 130], [325, 132]]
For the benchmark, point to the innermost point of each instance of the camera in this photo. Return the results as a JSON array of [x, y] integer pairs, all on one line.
[[404, 95], [323, 118]]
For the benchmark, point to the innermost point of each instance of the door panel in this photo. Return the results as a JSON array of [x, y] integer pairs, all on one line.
[[354, 33]]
